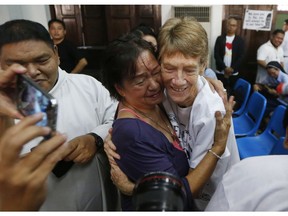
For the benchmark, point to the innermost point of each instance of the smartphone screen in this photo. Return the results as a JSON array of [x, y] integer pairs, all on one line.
[[32, 99]]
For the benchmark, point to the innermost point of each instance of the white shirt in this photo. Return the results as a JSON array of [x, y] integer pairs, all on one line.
[[285, 49], [84, 106], [197, 134], [267, 52], [228, 52], [254, 184]]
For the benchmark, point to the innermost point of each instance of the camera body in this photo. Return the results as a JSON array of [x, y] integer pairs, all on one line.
[[31, 99]]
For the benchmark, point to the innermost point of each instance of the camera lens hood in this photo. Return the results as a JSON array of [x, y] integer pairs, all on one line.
[[159, 191]]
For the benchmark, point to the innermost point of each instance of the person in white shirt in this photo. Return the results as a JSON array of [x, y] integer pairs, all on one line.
[[269, 51], [85, 113], [255, 184], [285, 44]]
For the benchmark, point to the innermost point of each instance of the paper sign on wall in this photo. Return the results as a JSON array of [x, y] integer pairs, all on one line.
[[258, 20]]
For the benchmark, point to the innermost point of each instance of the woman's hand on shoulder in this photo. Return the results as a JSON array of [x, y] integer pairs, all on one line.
[[223, 125]]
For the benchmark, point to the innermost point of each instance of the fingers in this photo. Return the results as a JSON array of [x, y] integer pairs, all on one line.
[[229, 106], [110, 150], [18, 135], [8, 77], [47, 154]]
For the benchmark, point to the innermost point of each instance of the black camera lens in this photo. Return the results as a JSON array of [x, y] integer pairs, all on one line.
[[159, 191]]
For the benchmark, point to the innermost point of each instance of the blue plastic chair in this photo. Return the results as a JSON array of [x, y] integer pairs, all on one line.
[[241, 92], [264, 143], [279, 148], [249, 121]]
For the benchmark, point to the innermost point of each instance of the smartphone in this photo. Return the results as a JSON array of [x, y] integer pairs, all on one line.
[[31, 99]]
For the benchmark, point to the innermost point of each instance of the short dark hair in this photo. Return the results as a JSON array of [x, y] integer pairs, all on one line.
[[276, 31], [286, 21], [57, 21], [21, 30], [143, 29], [120, 61]]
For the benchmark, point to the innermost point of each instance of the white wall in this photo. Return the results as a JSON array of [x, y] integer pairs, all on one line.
[[38, 13], [213, 28]]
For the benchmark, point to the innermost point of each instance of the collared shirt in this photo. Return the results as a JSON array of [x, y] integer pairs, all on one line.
[[267, 52]]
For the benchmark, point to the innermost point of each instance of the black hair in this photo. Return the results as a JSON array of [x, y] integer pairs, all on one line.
[[21, 30], [276, 31], [57, 21], [286, 21], [144, 30], [120, 60]]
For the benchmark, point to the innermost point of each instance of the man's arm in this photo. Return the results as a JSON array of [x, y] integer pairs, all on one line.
[[80, 65], [262, 63]]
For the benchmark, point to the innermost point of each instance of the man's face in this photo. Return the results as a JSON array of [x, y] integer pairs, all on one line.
[[180, 75], [277, 39], [40, 60], [285, 27], [57, 31], [231, 26]]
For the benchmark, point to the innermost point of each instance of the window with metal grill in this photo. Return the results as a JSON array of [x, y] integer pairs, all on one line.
[[202, 14]]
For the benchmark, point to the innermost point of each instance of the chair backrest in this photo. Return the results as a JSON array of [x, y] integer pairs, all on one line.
[[241, 92], [255, 110], [279, 148], [275, 127]]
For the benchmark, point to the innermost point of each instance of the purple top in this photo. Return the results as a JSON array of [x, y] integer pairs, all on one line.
[[144, 149]]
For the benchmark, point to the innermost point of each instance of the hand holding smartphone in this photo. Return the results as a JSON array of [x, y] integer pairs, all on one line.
[[32, 99]]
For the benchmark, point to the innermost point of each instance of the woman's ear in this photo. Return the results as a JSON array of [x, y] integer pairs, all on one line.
[[120, 90]]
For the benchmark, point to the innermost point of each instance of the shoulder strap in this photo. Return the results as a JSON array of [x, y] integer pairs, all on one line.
[[131, 111]]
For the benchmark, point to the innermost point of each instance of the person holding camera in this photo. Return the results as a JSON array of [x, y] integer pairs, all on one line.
[[85, 114]]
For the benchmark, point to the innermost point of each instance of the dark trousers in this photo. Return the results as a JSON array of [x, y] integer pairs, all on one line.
[[228, 83]]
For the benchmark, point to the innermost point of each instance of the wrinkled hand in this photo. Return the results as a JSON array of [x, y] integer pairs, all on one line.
[[217, 85], [223, 125], [110, 149], [121, 181], [81, 149], [8, 89], [23, 178]]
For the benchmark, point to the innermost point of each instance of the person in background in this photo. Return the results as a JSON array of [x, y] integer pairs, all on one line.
[[85, 114], [229, 54], [285, 44], [147, 33], [70, 58], [255, 184], [276, 77], [23, 184], [190, 103], [267, 52]]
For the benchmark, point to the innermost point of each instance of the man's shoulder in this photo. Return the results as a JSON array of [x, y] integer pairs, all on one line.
[[83, 78]]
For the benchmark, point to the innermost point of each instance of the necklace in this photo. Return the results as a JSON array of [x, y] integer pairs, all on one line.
[[167, 127]]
